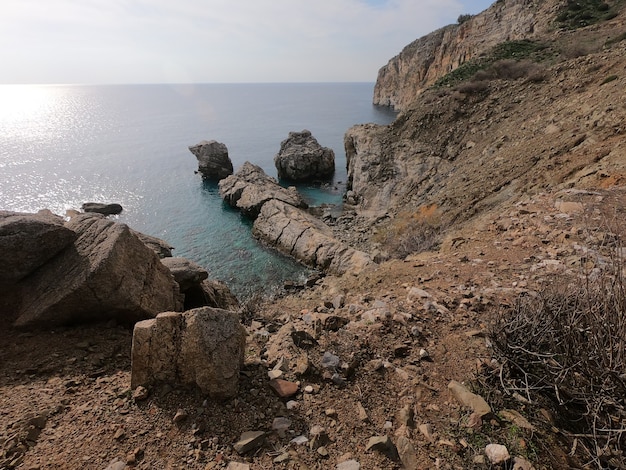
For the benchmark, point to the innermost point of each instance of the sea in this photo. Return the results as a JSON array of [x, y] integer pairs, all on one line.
[[63, 145]]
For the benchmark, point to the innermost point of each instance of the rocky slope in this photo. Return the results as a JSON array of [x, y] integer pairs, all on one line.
[[425, 60]]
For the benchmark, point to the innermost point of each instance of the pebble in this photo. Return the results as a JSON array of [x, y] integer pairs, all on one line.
[[349, 465], [380, 444], [237, 466], [363, 416], [284, 388], [140, 393], [275, 374], [180, 416], [292, 405], [249, 440], [309, 389]]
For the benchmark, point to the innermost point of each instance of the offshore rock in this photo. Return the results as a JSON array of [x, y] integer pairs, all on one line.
[[307, 239], [213, 159], [302, 158], [102, 208], [107, 273], [204, 346], [431, 57], [250, 188]]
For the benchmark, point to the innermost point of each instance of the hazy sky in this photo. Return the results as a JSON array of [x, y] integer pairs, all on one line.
[[180, 41]]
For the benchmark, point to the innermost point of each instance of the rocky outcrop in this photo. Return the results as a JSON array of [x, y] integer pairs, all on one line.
[[102, 208], [203, 347], [27, 241], [302, 158], [186, 273], [160, 247], [106, 273], [213, 159], [249, 188], [431, 57], [309, 240]]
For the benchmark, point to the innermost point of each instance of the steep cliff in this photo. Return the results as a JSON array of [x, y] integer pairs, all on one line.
[[425, 60]]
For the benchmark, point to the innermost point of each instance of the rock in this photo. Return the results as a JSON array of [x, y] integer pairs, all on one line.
[[497, 453], [27, 241], [381, 444], [302, 158], [213, 159], [330, 361], [160, 247], [407, 453], [250, 188], [349, 465], [516, 418], [237, 466], [204, 346], [427, 431], [466, 398], [520, 463], [319, 437], [283, 388], [214, 294], [140, 393], [249, 440], [107, 273], [280, 425], [362, 414], [116, 464], [102, 208], [186, 273], [180, 416], [309, 240], [406, 416]]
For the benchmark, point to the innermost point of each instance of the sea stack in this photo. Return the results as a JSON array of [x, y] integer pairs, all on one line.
[[213, 159], [302, 158]]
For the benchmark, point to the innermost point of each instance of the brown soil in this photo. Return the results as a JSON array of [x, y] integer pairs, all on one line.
[[65, 400]]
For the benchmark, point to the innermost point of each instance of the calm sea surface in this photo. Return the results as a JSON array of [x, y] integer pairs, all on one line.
[[61, 146]]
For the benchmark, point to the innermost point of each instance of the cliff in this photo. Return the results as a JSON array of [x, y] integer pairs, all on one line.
[[425, 60]]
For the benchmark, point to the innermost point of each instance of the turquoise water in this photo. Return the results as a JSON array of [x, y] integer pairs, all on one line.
[[61, 146]]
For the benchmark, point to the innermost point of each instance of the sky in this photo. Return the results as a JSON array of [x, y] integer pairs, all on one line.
[[212, 41]]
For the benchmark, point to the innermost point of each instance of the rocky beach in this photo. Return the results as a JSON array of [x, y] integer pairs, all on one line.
[[486, 214]]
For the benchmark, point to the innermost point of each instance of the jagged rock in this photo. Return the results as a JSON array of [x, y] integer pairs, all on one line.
[[250, 188], [309, 240], [102, 208], [213, 159], [106, 273], [186, 273], [407, 453], [249, 440], [302, 158], [381, 444], [284, 388], [29, 240], [204, 346]]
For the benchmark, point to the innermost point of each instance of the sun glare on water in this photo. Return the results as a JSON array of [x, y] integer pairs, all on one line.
[[20, 103]]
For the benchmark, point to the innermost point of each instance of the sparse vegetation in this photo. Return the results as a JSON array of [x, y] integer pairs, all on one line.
[[565, 349], [609, 79], [463, 18], [412, 232], [580, 13]]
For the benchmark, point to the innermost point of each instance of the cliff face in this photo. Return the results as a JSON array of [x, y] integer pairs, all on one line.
[[425, 60]]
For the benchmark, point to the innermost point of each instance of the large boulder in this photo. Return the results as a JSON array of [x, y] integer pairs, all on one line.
[[107, 273], [306, 238], [203, 347], [186, 273], [29, 240], [302, 158], [160, 247], [213, 159], [249, 188]]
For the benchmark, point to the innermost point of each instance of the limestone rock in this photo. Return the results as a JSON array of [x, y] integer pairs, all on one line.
[[250, 188], [106, 273], [186, 273], [213, 159], [497, 453], [29, 240], [469, 399], [204, 346], [309, 240], [302, 158], [102, 208]]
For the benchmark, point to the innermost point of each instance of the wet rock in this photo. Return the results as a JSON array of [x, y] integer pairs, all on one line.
[[213, 159], [249, 440]]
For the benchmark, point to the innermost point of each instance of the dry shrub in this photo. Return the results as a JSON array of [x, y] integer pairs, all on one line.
[[412, 232], [473, 87], [566, 347]]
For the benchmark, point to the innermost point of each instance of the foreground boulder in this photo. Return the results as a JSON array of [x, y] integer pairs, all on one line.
[[249, 188], [213, 159], [302, 236], [102, 208], [302, 158], [160, 247], [203, 347], [29, 240], [107, 273], [186, 273]]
